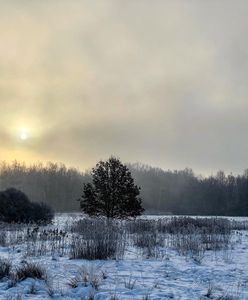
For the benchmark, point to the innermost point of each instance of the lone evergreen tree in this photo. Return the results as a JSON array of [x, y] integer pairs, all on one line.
[[112, 192]]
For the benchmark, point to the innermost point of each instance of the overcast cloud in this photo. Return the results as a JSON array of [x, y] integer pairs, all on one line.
[[163, 82]]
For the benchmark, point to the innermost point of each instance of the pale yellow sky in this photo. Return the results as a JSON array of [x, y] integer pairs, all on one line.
[[163, 82]]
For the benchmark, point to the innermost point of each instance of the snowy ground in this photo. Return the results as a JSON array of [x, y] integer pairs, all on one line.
[[220, 275]]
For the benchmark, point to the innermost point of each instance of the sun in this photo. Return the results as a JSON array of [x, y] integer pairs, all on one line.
[[23, 135]]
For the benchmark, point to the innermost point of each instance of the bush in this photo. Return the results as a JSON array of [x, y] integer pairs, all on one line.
[[141, 225], [177, 225], [193, 236], [148, 242], [41, 212], [97, 239], [30, 270], [87, 276], [5, 267], [15, 207]]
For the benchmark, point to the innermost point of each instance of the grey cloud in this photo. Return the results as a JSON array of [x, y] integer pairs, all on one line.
[[161, 82]]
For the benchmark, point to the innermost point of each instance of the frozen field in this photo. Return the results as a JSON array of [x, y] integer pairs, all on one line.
[[163, 272]]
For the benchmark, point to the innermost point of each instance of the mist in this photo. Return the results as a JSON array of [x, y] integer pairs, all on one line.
[[164, 84]]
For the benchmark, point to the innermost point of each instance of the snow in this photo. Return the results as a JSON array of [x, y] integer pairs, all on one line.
[[168, 276]]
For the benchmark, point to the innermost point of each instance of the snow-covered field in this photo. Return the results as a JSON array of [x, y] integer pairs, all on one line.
[[221, 274]]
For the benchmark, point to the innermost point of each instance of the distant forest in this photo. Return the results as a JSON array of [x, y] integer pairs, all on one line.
[[172, 192]]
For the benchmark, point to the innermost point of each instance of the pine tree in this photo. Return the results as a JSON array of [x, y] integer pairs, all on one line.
[[112, 192]]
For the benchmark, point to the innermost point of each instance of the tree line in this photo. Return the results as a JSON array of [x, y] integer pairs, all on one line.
[[182, 192], [51, 183], [175, 192]]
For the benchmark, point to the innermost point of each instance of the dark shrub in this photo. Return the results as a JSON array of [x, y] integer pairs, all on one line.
[[17, 208], [42, 213]]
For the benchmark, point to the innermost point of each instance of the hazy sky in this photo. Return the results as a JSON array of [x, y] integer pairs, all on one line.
[[162, 82]]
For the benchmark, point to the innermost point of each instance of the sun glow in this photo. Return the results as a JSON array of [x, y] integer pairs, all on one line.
[[24, 135]]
